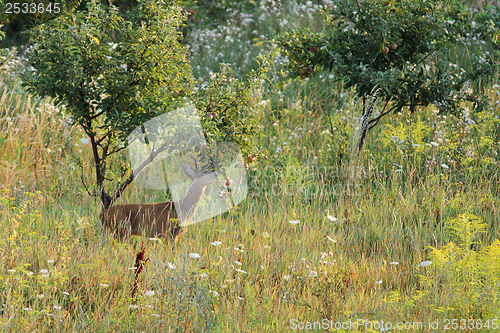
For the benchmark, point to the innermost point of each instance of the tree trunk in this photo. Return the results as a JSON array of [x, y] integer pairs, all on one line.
[[366, 119]]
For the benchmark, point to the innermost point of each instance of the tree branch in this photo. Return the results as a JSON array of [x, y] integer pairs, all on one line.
[[97, 115], [120, 188], [117, 150], [376, 120]]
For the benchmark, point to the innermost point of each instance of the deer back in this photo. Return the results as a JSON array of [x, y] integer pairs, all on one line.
[[152, 220]]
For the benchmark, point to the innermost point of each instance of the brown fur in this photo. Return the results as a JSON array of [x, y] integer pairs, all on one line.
[[150, 220]]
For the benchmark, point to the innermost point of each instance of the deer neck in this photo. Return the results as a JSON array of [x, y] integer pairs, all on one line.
[[189, 203]]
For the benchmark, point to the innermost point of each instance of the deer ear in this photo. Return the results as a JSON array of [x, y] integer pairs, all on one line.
[[186, 166], [188, 170]]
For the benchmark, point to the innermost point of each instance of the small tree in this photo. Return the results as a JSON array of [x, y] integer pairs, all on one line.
[[405, 53], [112, 73]]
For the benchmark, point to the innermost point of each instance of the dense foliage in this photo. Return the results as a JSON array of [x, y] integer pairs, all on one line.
[[402, 52]]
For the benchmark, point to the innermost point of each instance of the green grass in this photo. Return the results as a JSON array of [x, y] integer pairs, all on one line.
[[390, 205]]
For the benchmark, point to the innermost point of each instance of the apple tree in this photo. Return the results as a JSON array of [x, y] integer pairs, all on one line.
[[111, 72], [403, 53]]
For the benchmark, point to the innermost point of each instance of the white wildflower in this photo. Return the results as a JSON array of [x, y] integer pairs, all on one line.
[[424, 263], [331, 218]]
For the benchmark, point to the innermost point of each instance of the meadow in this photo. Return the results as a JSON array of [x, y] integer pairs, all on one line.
[[406, 233]]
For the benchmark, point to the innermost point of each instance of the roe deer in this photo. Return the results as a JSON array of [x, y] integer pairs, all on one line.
[[160, 219]]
